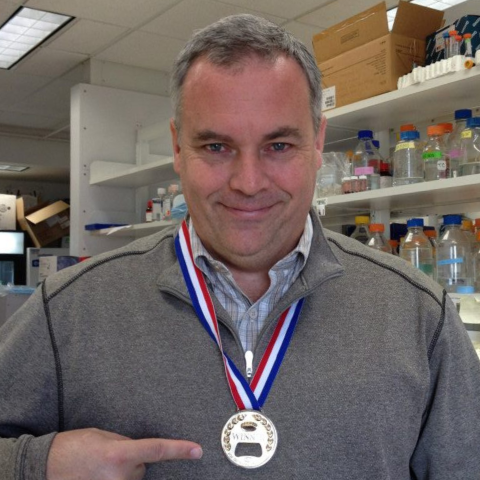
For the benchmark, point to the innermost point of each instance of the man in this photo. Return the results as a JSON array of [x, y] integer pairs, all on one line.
[[108, 370]]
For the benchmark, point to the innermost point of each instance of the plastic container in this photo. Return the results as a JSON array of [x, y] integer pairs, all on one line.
[[407, 159], [470, 147], [366, 159], [431, 234], [454, 141], [361, 232], [385, 168], [377, 240], [454, 256], [158, 204], [434, 154], [416, 247]]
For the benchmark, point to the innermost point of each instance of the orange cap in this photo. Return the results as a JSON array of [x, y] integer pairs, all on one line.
[[467, 225], [477, 223], [435, 130], [393, 243], [377, 227], [430, 233], [447, 127], [453, 32], [458, 38], [467, 35], [407, 127]]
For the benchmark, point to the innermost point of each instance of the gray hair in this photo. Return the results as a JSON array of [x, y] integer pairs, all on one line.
[[232, 39]]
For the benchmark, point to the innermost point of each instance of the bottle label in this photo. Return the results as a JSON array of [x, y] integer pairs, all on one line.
[[466, 134], [363, 170], [429, 155], [404, 145], [450, 261], [441, 165]]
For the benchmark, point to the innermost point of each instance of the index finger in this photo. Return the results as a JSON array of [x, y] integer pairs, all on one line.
[[151, 450]]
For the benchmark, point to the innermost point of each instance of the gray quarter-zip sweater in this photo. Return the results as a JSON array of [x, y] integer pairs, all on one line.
[[380, 381]]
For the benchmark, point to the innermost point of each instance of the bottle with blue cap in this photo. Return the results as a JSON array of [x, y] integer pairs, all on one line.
[[366, 159], [454, 141], [454, 256], [470, 147], [416, 248], [408, 163]]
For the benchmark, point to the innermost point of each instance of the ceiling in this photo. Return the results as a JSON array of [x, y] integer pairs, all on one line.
[[35, 94]]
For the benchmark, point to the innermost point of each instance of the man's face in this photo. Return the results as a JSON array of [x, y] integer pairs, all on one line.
[[247, 155]]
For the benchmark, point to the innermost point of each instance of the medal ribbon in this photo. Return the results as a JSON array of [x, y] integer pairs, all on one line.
[[246, 396]]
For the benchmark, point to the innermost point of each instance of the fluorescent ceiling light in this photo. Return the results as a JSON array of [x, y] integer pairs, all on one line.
[[25, 30], [435, 4], [12, 168]]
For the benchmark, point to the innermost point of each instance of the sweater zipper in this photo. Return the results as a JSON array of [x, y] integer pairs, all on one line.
[[249, 363]]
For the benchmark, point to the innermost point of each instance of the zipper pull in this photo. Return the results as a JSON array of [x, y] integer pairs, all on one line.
[[249, 363]]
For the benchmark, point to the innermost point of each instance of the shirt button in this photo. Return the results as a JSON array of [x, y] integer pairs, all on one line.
[[252, 314]]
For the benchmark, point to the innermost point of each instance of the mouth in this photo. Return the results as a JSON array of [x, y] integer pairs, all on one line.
[[248, 211]]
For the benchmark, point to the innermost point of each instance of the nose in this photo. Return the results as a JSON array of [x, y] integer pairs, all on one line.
[[249, 175]]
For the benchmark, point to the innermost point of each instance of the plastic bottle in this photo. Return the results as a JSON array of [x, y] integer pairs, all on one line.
[[416, 248], [158, 204], [394, 246], [361, 232], [446, 45], [454, 256], [366, 159], [149, 212], [172, 192], [454, 141], [470, 147], [377, 240], [467, 228], [447, 130], [454, 50], [385, 168], [407, 159], [431, 234], [434, 154]]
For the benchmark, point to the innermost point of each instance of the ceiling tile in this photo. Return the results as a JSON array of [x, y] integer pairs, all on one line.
[[87, 37], [288, 9], [14, 87], [189, 15], [125, 13], [303, 32], [48, 62], [7, 9], [142, 49]]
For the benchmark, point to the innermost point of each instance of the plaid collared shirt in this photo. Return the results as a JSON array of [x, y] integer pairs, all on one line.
[[248, 318]]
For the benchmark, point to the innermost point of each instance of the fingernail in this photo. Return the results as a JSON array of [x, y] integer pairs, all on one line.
[[196, 453]]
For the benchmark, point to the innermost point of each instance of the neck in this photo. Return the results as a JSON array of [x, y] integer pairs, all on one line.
[[252, 284]]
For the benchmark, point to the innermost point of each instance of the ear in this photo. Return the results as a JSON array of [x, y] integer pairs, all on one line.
[[176, 147], [320, 140]]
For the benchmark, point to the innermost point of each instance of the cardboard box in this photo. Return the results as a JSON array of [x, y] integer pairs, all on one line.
[[8, 220], [359, 58], [435, 45], [44, 223]]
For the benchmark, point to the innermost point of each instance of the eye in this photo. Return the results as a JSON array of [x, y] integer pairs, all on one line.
[[279, 146], [215, 147]]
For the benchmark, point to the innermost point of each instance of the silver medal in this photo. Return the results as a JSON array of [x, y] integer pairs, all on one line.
[[249, 426]]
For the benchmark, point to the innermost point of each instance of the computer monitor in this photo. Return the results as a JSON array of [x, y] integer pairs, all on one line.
[[12, 258]]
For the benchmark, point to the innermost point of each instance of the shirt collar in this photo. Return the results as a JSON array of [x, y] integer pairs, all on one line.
[[205, 261]]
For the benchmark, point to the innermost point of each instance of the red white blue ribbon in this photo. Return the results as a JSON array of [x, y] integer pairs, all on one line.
[[246, 396]]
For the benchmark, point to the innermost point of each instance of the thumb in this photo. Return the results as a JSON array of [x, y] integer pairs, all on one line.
[[151, 450]]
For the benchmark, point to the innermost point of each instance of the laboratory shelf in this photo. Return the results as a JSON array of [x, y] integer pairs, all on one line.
[[136, 230], [116, 174], [462, 193], [432, 98]]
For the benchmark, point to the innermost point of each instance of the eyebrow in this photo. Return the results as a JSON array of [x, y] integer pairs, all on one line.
[[281, 132]]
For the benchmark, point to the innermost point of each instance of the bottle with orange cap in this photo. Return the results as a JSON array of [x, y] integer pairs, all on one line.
[[434, 154], [377, 240], [469, 60]]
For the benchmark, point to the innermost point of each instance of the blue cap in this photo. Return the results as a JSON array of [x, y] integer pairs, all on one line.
[[365, 134], [473, 122], [446, 34], [465, 289], [376, 143], [410, 135], [462, 114], [415, 222], [452, 220]]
